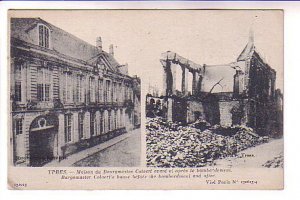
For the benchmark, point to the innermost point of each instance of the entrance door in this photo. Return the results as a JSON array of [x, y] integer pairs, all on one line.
[[41, 147], [42, 140]]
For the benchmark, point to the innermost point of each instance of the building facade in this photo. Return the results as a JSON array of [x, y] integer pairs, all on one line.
[[66, 95]]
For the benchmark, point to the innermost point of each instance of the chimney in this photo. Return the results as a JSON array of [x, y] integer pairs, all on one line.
[[111, 49], [99, 44]]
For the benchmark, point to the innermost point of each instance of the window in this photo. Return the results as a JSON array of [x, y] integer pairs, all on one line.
[[105, 121], [100, 88], [68, 128], [18, 91], [18, 126], [78, 92], [43, 84], [109, 120], [67, 88], [43, 36], [114, 94], [107, 91], [101, 123], [93, 124], [270, 87], [91, 90], [120, 92], [80, 125]]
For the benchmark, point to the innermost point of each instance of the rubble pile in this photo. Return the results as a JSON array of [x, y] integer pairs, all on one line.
[[277, 162], [173, 145]]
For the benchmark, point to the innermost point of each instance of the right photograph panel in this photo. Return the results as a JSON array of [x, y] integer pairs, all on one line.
[[219, 100]]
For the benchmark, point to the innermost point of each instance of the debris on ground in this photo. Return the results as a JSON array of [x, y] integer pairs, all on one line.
[[277, 162], [171, 144]]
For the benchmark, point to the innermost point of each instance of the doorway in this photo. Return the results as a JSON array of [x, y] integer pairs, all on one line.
[[42, 140]]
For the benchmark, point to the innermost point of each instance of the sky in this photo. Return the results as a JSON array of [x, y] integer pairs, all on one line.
[[203, 36]]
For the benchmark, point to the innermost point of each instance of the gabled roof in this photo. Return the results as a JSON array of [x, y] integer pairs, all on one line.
[[107, 59]]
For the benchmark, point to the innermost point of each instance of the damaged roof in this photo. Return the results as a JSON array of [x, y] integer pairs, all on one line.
[[247, 52], [169, 55]]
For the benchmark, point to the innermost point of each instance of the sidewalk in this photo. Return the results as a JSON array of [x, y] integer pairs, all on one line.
[[70, 160], [254, 157]]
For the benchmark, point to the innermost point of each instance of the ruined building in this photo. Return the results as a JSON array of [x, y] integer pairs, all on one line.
[[239, 93], [66, 95]]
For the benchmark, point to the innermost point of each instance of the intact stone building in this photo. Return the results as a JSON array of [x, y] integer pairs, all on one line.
[[239, 93], [66, 95]]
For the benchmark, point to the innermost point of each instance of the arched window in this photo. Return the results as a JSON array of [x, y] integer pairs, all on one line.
[[44, 34]]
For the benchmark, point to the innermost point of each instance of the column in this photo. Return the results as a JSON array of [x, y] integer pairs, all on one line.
[[33, 82], [199, 84], [164, 82], [195, 83], [170, 109], [124, 118], [87, 87], [184, 81], [23, 83], [173, 72], [28, 118], [61, 134], [117, 118], [168, 78]]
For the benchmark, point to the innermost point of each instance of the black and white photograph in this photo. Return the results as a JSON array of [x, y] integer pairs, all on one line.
[[219, 98], [72, 102]]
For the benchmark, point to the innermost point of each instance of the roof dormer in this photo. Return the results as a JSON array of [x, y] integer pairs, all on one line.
[[44, 35]]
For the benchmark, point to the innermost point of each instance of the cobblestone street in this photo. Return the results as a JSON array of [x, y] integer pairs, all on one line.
[[125, 153]]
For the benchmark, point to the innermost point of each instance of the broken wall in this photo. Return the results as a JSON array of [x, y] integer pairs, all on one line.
[[226, 108], [214, 74], [195, 111]]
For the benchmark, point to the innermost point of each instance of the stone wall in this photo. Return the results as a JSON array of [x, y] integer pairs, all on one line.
[[195, 110], [225, 112]]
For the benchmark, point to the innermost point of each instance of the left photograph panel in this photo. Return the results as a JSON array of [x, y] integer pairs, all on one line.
[[72, 102]]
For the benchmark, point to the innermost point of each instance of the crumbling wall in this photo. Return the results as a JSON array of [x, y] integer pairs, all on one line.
[[211, 109], [195, 111], [179, 110], [226, 108]]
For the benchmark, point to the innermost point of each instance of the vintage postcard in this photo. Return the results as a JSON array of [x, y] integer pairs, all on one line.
[[145, 99]]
